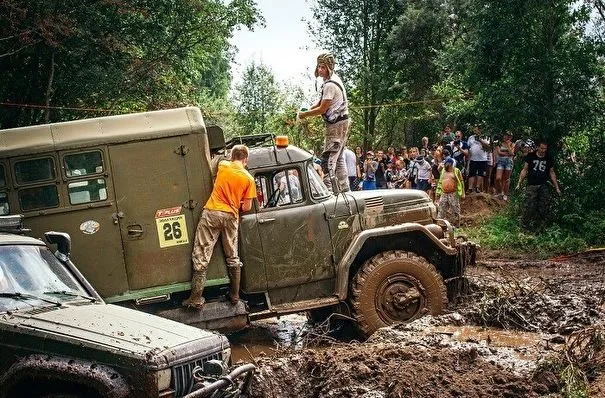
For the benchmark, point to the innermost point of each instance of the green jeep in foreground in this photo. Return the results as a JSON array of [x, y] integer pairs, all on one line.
[[129, 189], [58, 338]]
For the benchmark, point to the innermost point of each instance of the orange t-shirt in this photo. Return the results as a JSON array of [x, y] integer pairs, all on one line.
[[232, 185]]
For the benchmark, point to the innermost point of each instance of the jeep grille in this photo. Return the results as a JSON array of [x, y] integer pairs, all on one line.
[[182, 375]]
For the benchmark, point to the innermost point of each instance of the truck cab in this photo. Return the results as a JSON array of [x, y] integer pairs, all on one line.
[[130, 189]]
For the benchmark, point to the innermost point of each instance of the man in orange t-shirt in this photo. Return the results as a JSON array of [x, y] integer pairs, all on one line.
[[233, 188]]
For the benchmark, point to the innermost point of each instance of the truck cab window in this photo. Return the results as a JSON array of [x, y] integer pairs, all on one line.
[[288, 184], [279, 189], [262, 191], [318, 188]]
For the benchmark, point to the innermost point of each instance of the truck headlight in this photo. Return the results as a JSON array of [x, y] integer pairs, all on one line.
[[164, 378]]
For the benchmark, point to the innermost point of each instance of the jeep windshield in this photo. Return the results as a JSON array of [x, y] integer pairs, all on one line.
[[31, 276]]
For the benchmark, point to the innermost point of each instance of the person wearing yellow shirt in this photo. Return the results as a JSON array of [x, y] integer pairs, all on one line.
[[234, 188]]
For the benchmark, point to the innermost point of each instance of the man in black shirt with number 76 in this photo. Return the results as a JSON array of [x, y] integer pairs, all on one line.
[[538, 168]]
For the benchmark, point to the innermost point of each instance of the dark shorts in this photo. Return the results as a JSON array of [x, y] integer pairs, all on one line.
[[477, 169], [423, 185]]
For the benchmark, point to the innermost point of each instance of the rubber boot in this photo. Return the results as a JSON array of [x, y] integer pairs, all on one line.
[[235, 273], [196, 300]]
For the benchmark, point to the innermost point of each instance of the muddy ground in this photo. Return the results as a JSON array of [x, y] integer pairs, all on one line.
[[524, 329]]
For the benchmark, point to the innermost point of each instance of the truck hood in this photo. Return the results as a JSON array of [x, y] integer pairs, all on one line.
[[385, 207], [127, 332]]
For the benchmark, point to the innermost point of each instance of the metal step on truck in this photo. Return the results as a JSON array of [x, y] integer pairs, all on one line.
[[129, 189]]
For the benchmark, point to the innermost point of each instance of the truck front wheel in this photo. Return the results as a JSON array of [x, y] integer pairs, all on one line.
[[396, 286]]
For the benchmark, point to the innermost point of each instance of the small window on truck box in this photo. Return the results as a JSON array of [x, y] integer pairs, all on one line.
[[87, 191], [83, 164], [2, 177], [36, 198], [4, 208], [36, 171]]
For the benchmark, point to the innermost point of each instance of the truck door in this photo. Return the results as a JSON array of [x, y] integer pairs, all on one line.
[[294, 235], [156, 225]]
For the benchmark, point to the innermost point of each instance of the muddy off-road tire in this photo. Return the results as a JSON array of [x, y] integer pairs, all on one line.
[[395, 286]]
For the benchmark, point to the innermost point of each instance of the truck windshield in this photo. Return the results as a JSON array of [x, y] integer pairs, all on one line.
[[32, 276], [318, 188]]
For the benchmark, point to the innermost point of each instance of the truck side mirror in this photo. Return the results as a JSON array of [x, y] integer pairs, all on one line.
[[63, 242]]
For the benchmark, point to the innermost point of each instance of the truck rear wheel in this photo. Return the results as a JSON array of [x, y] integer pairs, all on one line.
[[395, 286]]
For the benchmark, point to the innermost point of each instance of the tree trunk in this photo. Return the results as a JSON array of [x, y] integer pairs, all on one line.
[[49, 88]]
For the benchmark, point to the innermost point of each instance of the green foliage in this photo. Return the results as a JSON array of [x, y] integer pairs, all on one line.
[[115, 54], [503, 232], [257, 99], [529, 65], [356, 31]]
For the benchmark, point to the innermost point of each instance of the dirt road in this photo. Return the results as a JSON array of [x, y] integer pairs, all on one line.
[[525, 329]]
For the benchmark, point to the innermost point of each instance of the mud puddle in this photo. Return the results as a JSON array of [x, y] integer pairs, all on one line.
[[268, 336], [502, 340]]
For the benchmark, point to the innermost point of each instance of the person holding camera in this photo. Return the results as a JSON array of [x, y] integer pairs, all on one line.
[[369, 170], [460, 151]]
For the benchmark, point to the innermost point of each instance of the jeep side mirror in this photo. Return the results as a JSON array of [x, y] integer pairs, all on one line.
[[63, 242]]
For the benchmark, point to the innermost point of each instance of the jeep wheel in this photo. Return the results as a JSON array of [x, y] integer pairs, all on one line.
[[396, 286]]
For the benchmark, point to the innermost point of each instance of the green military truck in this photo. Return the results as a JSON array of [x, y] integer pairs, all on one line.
[[129, 189]]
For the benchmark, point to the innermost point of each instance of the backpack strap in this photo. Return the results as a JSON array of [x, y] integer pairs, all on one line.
[[335, 82], [342, 117]]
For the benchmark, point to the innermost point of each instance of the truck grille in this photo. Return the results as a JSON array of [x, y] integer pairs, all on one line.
[[182, 375]]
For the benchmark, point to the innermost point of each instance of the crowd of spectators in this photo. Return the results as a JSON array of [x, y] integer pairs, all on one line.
[[479, 164]]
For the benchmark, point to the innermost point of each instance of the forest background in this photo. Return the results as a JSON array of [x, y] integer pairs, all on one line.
[[410, 66]]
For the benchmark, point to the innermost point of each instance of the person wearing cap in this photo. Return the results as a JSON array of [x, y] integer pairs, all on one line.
[[450, 188], [423, 174], [369, 172], [333, 107]]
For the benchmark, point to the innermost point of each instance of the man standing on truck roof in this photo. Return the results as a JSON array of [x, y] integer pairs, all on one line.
[[233, 188], [333, 107]]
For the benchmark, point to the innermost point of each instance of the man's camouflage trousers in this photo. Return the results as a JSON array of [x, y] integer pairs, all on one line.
[[332, 159]]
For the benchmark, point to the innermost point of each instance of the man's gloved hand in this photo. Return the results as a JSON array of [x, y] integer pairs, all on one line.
[[298, 114]]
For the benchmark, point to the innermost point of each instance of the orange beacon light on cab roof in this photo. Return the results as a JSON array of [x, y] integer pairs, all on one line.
[[281, 141]]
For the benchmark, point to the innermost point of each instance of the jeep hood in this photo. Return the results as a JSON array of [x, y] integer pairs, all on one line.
[[127, 332]]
